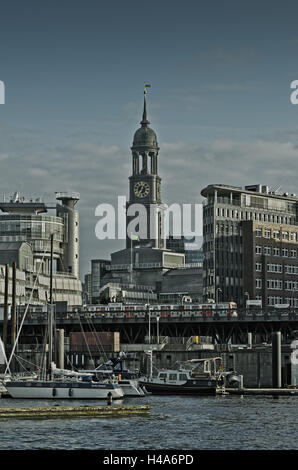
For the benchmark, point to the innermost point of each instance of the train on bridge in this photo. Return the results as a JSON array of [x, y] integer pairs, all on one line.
[[223, 310], [130, 311], [119, 310]]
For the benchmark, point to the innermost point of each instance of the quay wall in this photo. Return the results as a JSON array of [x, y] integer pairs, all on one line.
[[254, 365]]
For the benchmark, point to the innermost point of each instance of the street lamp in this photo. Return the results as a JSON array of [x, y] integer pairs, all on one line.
[[149, 316], [157, 328], [149, 325]]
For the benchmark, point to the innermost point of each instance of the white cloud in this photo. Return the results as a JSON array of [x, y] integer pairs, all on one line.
[[38, 172], [190, 167]]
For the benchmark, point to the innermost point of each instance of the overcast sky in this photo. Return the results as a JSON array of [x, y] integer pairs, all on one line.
[[74, 72]]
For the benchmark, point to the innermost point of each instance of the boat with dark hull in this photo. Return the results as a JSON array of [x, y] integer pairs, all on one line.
[[194, 377], [188, 387]]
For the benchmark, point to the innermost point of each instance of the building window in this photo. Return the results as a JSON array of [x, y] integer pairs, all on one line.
[[292, 301], [276, 234], [293, 253], [274, 268], [291, 269], [291, 285], [285, 235], [258, 250], [294, 236], [258, 267], [285, 252], [258, 283], [267, 233], [258, 232], [275, 284], [276, 252], [267, 250], [274, 300]]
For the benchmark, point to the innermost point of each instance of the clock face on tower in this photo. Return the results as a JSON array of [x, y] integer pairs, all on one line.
[[141, 189]]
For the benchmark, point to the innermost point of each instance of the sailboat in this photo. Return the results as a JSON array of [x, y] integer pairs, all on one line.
[[59, 383], [64, 384]]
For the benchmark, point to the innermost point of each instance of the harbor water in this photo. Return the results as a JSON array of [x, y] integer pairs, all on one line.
[[175, 422]]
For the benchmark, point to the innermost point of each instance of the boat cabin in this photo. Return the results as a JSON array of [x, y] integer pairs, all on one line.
[[194, 368], [173, 376]]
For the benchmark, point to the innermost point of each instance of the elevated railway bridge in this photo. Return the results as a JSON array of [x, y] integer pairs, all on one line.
[[136, 327]]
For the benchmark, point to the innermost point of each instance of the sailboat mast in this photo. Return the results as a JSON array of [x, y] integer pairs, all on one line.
[[50, 313], [51, 269]]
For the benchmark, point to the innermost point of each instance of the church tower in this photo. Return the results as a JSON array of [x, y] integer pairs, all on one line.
[[144, 209]]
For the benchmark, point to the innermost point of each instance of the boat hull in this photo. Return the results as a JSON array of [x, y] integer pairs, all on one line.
[[56, 390], [131, 388], [189, 388]]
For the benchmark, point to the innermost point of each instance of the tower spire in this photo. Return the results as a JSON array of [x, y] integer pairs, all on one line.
[[145, 121]]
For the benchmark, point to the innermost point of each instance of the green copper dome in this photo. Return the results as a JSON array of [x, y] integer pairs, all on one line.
[[145, 137]]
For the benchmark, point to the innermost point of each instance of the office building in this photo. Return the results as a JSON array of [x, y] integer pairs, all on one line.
[[270, 272], [246, 233], [26, 228]]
